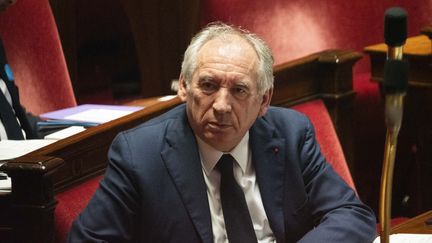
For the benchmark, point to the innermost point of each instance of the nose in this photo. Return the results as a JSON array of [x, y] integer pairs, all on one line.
[[222, 102]]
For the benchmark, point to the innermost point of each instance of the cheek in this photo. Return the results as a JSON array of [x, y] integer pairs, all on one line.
[[200, 106], [247, 114]]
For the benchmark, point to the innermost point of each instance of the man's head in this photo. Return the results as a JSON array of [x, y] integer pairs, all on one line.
[[227, 82]]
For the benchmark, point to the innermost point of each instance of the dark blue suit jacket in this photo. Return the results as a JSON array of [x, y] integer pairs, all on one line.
[[154, 190]]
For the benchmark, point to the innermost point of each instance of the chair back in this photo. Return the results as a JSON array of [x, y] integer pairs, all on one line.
[[70, 203], [34, 52], [327, 137]]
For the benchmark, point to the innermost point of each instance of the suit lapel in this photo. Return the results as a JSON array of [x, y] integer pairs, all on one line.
[[183, 163], [268, 156]]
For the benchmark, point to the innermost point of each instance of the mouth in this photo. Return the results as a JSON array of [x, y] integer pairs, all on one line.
[[218, 126]]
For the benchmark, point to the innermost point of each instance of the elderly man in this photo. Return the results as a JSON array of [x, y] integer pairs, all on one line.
[[224, 166]]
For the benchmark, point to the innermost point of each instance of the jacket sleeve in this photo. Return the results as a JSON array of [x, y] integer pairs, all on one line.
[[338, 214]]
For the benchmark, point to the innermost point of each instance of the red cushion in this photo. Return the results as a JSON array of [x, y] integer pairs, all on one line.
[[35, 54], [70, 204], [327, 137]]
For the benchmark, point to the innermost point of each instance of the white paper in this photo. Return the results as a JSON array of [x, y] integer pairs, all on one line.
[[5, 184], [10, 149], [64, 133], [408, 238], [98, 115]]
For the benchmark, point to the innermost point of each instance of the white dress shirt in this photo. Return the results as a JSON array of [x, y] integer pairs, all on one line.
[[244, 173]]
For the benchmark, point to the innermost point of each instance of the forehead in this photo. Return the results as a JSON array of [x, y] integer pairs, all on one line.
[[231, 51]]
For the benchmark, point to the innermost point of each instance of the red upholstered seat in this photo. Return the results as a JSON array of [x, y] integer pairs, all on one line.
[[34, 51], [70, 204], [327, 137]]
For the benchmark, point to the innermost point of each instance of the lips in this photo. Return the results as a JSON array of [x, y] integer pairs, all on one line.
[[218, 126]]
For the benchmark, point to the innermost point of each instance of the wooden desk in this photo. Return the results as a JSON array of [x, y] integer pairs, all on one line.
[[415, 225], [418, 52]]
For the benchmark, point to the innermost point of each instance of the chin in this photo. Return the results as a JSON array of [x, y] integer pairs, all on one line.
[[224, 145]]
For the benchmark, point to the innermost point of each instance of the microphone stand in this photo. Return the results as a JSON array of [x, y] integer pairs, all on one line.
[[394, 108]]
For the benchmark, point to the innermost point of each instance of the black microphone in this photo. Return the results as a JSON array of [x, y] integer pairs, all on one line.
[[395, 69], [395, 31], [395, 87]]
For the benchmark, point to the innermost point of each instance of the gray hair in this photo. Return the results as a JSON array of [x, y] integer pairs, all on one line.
[[218, 31]]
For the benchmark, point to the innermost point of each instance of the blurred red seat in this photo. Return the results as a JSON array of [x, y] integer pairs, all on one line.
[[327, 137], [35, 54]]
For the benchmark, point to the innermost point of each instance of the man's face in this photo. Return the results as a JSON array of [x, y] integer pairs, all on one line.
[[222, 98]]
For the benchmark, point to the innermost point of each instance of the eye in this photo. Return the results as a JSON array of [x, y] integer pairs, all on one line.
[[208, 86], [240, 92]]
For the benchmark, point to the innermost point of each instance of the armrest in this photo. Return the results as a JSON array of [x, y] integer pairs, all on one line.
[[326, 75]]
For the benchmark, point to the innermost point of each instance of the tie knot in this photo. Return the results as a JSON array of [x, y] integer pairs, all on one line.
[[225, 163]]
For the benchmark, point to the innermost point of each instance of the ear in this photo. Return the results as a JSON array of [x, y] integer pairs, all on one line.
[[182, 90], [265, 102]]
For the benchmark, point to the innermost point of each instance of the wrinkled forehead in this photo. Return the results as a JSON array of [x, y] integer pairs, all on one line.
[[229, 42], [229, 48]]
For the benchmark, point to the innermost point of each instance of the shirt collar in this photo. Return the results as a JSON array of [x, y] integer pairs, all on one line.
[[210, 156]]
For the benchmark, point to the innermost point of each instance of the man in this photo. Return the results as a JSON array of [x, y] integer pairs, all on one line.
[[167, 179]]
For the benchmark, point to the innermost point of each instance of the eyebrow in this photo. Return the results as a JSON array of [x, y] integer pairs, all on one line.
[[205, 78], [235, 83], [241, 84]]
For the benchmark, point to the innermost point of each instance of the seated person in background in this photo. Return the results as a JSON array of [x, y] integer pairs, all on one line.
[[15, 123], [225, 166]]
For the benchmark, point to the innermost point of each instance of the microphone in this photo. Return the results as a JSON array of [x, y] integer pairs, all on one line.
[[395, 32], [395, 69], [394, 86]]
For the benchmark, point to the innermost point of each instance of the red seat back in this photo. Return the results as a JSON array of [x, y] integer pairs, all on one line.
[[34, 52], [327, 137], [70, 204]]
